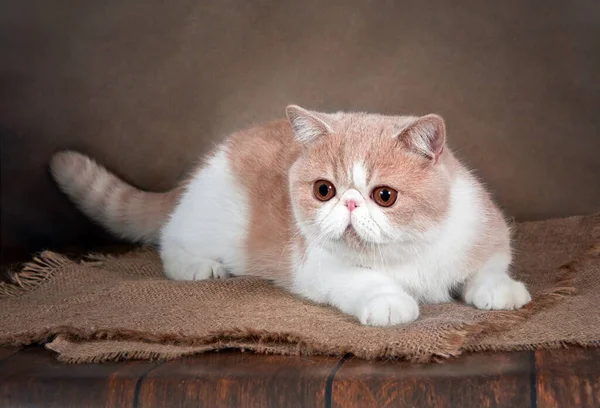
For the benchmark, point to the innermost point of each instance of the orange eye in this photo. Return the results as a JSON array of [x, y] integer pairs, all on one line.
[[323, 190], [385, 196]]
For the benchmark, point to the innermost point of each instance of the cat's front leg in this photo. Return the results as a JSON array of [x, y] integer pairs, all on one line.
[[387, 308], [373, 297], [492, 287]]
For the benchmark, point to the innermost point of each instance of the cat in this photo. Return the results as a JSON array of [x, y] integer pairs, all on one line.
[[368, 213]]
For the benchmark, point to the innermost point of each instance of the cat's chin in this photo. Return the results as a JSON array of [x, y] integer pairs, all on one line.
[[352, 246], [351, 235]]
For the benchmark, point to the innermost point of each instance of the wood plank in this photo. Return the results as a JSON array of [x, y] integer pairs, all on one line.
[[568, 378], [562, 378], [233, 379], [33, 377], [476, 380]]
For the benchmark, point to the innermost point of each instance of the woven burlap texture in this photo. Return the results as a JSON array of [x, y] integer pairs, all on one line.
[[120, 307]]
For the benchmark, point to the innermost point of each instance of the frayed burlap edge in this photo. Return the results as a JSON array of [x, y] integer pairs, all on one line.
[[34, 274], [128, 355], [453, 339], [61, 344], [565, 286], [277, 349]]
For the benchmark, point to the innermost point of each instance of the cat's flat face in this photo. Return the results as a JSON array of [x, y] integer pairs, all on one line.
[[359, 186]]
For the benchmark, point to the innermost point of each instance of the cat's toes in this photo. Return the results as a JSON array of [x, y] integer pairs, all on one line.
[[197, 270], [389, 310], [207, 269], [504, 294], [219, 271]]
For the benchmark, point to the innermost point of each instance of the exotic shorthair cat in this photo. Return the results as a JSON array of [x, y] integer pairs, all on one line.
[[371, 214]]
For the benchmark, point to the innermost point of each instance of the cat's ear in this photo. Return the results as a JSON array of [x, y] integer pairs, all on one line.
[[426, 136], [307, 125]]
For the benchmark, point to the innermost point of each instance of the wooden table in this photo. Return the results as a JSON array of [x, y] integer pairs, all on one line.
[[32, 377]]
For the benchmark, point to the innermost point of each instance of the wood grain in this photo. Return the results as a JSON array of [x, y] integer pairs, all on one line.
[[233, 379], [568, 378], [478, 380], [34, 378]]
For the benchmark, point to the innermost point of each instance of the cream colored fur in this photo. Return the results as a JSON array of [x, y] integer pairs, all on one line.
[[252, 209]]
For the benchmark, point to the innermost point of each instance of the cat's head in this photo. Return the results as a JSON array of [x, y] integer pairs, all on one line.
[[366, 181]]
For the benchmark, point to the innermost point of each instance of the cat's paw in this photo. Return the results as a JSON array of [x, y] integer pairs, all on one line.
[[501, 294], [388, 310], [197, 270]]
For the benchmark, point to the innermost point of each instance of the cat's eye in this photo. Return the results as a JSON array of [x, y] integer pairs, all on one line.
[[385, 196], [323, 190]]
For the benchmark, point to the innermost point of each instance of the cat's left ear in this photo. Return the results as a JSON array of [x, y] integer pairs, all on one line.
[[426, 136], [307, 125]]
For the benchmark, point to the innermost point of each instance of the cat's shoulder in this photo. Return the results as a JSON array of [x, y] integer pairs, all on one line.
[[261, 153], [268, 145], [272, 134]]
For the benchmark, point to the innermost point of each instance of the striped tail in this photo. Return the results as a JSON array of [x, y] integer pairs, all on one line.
[[124, 210]]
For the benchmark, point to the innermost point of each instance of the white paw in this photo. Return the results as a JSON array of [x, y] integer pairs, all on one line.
[[197, 270], [388, 310], [503, 294]]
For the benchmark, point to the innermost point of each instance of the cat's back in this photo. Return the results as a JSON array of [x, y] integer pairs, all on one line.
[[262, 152]]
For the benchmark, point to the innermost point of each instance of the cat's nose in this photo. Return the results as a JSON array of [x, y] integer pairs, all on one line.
[[351, 204]]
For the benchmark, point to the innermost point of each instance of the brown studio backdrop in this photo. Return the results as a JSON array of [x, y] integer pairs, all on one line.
[[147, 86]]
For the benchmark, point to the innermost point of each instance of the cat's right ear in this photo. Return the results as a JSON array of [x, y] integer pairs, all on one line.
[[307, 125], [426, 136]]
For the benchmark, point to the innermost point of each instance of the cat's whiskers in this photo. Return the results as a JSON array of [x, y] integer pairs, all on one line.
[[290, 241], [313, 241], [383, 259]]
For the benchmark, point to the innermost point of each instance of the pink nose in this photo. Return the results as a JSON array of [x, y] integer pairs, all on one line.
[[351, 204]]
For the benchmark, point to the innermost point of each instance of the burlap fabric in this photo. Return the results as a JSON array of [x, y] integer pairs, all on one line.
[[120, 307]]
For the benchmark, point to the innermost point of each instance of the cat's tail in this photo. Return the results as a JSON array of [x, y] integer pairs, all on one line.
[[121, 208]]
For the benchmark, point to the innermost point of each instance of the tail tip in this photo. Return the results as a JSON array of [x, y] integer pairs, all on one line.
[[66, 162]]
